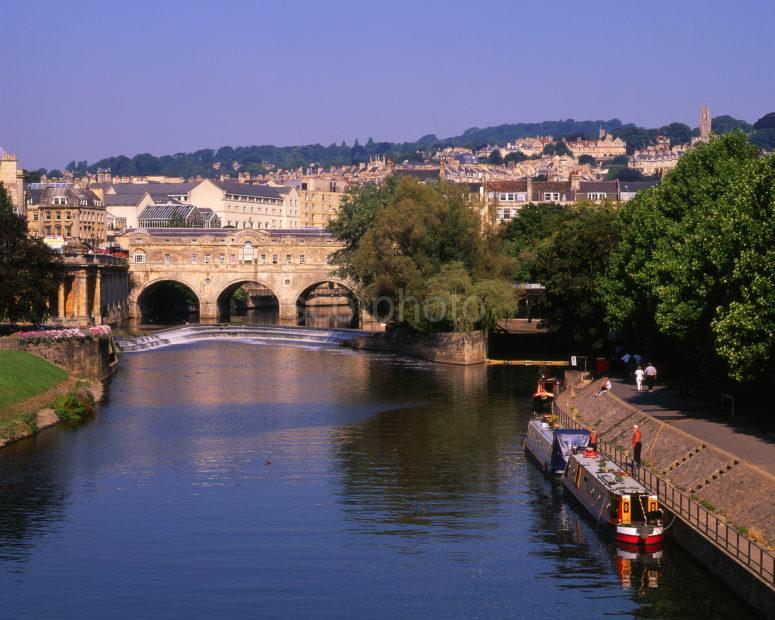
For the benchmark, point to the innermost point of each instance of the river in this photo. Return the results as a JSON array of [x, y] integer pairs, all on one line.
[[224, 479]]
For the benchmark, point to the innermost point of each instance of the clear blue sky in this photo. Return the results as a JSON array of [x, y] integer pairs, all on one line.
[[86, 79]]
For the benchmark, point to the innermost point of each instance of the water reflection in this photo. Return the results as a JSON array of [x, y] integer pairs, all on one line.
[[229, 480]]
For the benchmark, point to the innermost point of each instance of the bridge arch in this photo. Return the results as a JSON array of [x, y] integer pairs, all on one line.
[[328, 302], [259, 295], [168, 300]]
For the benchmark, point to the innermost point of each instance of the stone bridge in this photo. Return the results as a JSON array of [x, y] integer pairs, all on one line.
[[214, 263]]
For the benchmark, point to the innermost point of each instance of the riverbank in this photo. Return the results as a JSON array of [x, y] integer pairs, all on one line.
[[725, 503], [36, 394]]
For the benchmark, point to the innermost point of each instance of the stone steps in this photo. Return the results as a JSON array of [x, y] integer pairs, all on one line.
[[682, 459], [715, 475]]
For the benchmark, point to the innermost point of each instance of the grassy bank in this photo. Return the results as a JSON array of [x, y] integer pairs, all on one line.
[[23, 375]]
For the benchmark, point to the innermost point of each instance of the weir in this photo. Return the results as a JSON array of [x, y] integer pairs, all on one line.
[[251, 334]]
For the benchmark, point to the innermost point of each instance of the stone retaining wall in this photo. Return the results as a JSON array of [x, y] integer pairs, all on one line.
[[446, 347], [741, 493], [91, 359]]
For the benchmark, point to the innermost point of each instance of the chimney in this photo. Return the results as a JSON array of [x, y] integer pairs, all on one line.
[[575, 180]]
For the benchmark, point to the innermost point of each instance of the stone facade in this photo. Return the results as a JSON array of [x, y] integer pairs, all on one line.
[[12, 178], [320, 199], [63, 213], [215, 263]]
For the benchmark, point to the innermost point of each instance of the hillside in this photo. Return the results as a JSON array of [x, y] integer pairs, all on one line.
[[257, 159]]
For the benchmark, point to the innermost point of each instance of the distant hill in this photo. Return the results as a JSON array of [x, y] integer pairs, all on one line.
[[256, 159]]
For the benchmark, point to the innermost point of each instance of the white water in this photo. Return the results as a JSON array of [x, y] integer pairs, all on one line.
[[254, 334]]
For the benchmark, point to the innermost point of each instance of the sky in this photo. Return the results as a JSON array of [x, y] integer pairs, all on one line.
[[87, 79]]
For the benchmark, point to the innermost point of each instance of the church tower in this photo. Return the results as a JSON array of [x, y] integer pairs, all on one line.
[[704, 123]]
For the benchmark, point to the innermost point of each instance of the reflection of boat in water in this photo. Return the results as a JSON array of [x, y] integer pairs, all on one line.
[[621, 506], [545, 392], [552, 446]]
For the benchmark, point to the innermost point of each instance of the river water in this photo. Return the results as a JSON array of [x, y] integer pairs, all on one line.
[[223, 479]]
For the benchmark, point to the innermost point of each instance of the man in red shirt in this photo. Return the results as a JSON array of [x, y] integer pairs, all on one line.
[[636, 447]]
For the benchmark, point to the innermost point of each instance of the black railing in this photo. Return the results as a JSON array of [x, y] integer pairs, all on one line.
[[750, 554]]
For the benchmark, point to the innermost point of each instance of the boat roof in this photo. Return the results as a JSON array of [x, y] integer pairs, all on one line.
[[547, 432], [627, 486]]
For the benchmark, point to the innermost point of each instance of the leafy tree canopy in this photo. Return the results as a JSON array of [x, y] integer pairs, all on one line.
[[765, 122], [28, 268], [419, 257]]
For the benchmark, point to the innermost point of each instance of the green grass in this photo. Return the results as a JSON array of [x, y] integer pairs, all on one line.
[[23, 375]]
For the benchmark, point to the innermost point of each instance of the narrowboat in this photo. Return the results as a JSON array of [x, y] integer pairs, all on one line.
[[550, 446], [545, 392], [622, 507]]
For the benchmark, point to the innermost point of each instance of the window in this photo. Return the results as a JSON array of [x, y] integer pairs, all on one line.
[[60, 200], [552, 196], [194, 258], [596, 195], [59, 215], [208, 259], [139, 257], [233, 259], [222, 258], [263, 258], [167, 259], [288, 259], [274, 259], [35, 216], [301, 259]]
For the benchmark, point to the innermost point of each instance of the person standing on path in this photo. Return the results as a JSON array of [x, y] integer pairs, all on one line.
[[651, 376], [639, 378], [636, 448]]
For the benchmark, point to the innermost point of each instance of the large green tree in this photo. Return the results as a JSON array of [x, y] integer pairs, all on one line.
[[418, 253], [569, 263], [676, 273], [28, 269]]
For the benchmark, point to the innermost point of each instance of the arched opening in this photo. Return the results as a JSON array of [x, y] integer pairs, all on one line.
[[327, 304], [248, 302], [168, 302]]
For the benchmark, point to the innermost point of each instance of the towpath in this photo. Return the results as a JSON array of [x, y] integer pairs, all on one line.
[[758, 449]]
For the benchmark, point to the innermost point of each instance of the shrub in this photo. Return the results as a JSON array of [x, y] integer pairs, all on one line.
[[73, 406]]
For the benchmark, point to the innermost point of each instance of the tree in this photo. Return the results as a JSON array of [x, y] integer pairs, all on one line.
[[569, 263], [55, 174], [525, 233], [587, 159], [418, 251], [515, 156], [556, 148], [764, 139], [725, 123], [495, 157], [677, 132], [29, 269], [671, 272], [765, 122], [623, 173]]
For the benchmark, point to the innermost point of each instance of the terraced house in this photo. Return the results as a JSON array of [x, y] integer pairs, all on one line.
[[62, 212]]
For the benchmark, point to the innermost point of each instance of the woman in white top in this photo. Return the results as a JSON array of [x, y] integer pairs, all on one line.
[[639, 378]]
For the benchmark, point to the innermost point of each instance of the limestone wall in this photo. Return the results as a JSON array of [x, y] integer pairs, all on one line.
[[448, 348], [743, 494], [90, 359]]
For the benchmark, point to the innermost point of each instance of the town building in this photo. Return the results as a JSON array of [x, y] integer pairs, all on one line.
[[320, 198], [605, 147], [63, 213], [242, 205], [628, 189], [12, 178]]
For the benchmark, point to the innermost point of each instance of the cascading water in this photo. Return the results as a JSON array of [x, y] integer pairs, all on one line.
[[254, 334]]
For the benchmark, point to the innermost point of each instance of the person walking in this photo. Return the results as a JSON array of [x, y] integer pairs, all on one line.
[[605, 386], [651, 376], [639, 378], [636, 448]]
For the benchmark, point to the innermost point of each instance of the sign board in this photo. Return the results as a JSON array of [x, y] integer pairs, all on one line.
[[572, 360]]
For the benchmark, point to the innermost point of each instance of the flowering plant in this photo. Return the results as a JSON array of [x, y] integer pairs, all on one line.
[[60, 335]]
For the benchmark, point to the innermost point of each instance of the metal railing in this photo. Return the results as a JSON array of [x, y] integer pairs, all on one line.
[[751, 555]]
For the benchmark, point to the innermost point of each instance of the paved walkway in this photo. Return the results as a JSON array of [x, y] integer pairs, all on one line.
[[756, 448]]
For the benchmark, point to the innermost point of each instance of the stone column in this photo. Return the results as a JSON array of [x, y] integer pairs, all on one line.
[[80, 301], [61, 300], [96, 310]]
